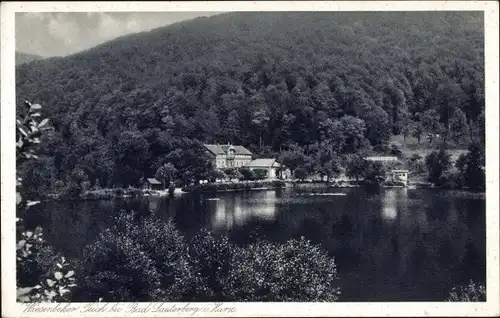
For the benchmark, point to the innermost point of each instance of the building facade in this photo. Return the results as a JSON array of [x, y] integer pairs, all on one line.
[[382, 159], [232, 156], [271, 166], [400, 176], [228, 156], [152, 184]]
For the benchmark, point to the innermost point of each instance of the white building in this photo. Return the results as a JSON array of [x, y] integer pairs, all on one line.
[[231, 156], [382, 158], [399, 176], [270, 165], [228, 156]]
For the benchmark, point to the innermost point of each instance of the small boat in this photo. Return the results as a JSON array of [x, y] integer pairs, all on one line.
[[212, 199]]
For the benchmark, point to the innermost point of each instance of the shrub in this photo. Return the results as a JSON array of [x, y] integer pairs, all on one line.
[[133, 191], [438, 163], [231, 173], [300, 173], [416, 164], [260, 174], [294, 271], [148, 260], [247, 174], [395, 151], [35, 257], [469, 293], [375, 173], [211, 260], [136, 260]]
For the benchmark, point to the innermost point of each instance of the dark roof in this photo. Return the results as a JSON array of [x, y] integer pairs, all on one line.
[[153, 181], [222, 149], [262, 162]]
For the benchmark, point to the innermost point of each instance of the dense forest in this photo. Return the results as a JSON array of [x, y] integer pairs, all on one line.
[[322, 84]]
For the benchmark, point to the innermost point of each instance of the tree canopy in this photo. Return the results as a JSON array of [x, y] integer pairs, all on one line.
[[270, 81]]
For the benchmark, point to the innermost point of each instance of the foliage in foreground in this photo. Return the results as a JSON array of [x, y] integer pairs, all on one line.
[[148, 260], [42, 274], [472, 292], [137, 262], [293, 271]]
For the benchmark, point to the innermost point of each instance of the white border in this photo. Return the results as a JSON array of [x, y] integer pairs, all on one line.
[[489, 308]]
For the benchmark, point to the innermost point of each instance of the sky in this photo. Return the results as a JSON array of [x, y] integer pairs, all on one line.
[[63, 33]]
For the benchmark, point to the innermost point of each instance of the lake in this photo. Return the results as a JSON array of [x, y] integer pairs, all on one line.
[[392, 245]]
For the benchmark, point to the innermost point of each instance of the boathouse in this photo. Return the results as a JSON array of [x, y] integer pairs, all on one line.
[[152, 184], [399, 176]]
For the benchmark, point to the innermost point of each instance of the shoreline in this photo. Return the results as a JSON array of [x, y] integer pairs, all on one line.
[[115, 193]]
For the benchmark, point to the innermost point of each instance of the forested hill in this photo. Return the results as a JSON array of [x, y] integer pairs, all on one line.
[[264, 80], [22, 58]]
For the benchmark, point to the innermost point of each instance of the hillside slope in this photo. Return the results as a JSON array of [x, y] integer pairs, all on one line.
[[268, 80], [22, 58]]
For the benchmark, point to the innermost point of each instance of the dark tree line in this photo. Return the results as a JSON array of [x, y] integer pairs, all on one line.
[[324, 85]]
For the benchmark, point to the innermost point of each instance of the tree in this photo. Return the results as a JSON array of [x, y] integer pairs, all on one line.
[[408, 127], [189, 159], [374, 174], [472, 167], [131, 153], [431, 124], [325, 160], [458, 125], [450, 97], [353, 131], [300, 173], [231, 128], [417, 130], [416, 164], [295, 94], [378, 127], [438, 163], [355, 166], [293, 158], [395, 151], [166, 173], [260, 117]]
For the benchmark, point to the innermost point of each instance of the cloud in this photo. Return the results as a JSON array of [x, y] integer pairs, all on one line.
[[63, 33]]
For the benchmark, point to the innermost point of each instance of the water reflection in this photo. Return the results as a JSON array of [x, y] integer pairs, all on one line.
[[396, 244], [238, 210], [389, 208]]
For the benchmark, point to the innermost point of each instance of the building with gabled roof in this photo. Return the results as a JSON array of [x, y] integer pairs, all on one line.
[[152, 184], [273, 167], [234, 156], [228, 156]]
